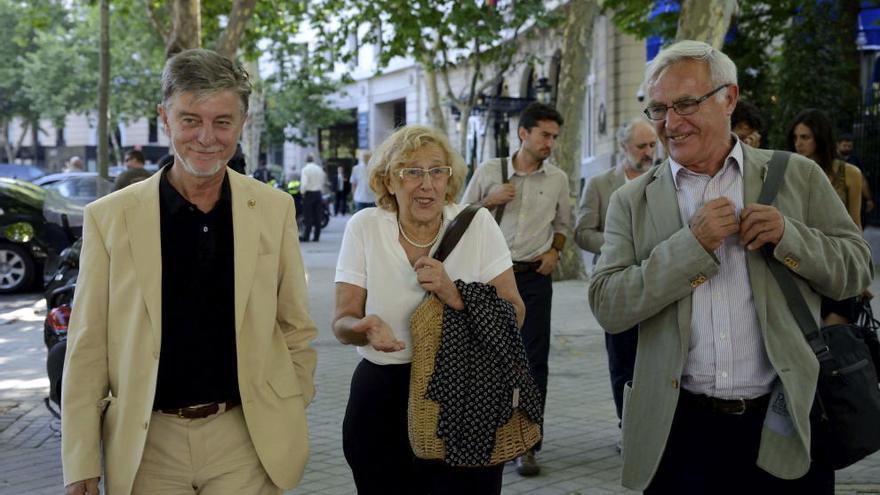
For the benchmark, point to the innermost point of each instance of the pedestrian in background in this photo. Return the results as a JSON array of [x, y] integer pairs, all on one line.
[[536, 220], [188, 363], [746, 122], [360, 182], [311, 186], [811, 135], [717, 342], [341, 189], [637, 142], [135, 171], [416, 177]]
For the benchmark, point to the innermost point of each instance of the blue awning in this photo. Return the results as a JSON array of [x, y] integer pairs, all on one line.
[[869, 27]]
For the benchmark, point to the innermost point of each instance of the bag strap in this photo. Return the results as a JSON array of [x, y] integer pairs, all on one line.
[[499, 212], [456, 229], [793, 297]]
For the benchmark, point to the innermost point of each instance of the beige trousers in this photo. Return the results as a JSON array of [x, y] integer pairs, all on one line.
[[207, 456]]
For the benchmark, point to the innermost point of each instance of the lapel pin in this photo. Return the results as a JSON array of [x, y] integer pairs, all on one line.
[[251, 203]]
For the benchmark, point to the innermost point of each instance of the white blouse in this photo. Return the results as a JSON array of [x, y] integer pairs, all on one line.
[[372, 257]]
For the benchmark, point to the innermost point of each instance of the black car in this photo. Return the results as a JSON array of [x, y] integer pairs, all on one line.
[[28, 234]]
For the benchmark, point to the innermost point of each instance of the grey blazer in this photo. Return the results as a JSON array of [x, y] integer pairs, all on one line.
[[651, 263], [590, 225]]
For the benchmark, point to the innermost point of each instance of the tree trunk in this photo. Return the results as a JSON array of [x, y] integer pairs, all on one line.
[[227, 44], [35, 142], [577, 48], [705, 20], [26, 125], [435, 108], [465, 110], [253, 128], [104, 88], [116, 146], [186, 27]]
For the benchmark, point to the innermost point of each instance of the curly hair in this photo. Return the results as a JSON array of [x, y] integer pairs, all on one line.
[[396, 152]]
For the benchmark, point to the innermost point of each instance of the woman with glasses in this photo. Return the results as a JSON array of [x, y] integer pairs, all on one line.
[[383, 272], [811, 135]]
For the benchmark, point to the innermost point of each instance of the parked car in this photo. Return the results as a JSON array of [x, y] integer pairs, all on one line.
[[19, 171], [79, 187], [26, 239]]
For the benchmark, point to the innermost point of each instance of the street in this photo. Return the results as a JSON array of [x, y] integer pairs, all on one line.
[[579, 455]]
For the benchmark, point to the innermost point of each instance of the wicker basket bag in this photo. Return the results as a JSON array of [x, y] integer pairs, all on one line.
[[512, 439]]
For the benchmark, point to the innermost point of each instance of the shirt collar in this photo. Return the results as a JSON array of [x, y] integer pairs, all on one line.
[[542, 169], [175, 202], [735, 156]]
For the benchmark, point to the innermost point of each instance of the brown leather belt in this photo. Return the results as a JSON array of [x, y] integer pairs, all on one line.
[[726, 406], [201, 410], [525, 266]]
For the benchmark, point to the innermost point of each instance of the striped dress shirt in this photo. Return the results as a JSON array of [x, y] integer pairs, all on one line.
[[726, 354]]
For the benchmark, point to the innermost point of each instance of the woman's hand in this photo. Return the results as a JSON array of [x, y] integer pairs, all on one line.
[[433, 278], [378, 333]]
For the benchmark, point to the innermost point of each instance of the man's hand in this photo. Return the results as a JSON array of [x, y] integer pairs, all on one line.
[[869, 206], [433, 278], [500, 194], [759, 225], [82, 487], [753, 139], [548, 261], [713, 222], [379, 334]]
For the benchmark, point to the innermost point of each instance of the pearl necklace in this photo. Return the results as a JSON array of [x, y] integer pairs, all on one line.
[[416, 244]]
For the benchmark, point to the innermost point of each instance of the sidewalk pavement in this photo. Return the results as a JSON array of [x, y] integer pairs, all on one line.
[[579, 456]]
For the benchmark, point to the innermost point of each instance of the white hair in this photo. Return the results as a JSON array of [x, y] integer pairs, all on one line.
[[722, 70], [625, 131]]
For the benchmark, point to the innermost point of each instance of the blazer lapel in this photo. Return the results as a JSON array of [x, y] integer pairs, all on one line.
[[246, 232], [145, 241], [663, 203], [662, 206], [754, 171]]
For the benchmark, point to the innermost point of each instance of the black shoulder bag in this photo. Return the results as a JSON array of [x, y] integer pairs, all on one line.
[[845, 419]]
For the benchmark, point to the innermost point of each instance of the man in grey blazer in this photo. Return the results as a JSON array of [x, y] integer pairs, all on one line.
[[724, 380], [637, 141]]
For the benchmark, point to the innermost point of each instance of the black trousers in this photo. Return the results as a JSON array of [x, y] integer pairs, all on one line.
[[376, 443], [621, 349], [340, 203], [312, 206], [711, 452], [536, 291]]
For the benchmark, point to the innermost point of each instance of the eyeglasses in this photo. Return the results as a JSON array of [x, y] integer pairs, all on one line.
[[415, 174], [687, 106]]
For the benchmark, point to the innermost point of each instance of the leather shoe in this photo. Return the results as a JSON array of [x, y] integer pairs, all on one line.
[[527, 465], [303, 239]]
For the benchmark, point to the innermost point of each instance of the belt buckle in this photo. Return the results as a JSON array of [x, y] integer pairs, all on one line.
[[742, 408]]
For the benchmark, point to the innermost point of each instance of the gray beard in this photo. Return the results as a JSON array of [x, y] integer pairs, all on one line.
[[198, 173]]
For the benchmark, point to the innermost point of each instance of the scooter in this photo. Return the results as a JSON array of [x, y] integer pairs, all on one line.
[[59, 299]]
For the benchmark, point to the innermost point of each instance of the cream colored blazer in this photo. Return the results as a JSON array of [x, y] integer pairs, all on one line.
[[115, 334]]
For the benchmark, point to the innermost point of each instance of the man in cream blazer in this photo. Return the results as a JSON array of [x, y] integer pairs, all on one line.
[[185, 377], [724, 380]]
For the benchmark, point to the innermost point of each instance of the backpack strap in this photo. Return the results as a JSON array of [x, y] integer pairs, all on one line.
[[505, 163]]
